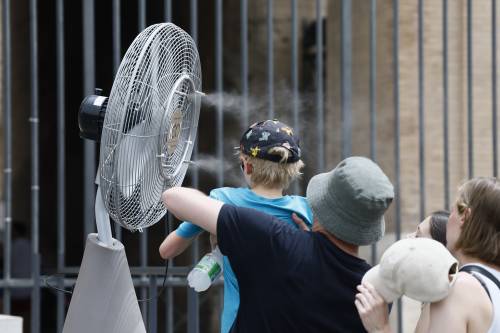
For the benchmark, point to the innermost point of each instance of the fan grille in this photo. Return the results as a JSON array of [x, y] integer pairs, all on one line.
[[150, 125]]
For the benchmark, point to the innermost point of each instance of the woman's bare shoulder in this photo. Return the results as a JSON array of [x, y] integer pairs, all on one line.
[[467, 285], [467, 305]]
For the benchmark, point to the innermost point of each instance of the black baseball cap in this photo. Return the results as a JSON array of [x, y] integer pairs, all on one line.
[[259, 138]]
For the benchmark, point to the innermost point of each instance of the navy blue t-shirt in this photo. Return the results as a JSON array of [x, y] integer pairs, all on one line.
[[290, 280]]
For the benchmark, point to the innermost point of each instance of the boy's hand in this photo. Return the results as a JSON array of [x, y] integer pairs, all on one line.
[[213, 241], [300, 222]]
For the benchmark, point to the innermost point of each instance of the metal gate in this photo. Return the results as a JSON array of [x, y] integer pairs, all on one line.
[[117, 18]]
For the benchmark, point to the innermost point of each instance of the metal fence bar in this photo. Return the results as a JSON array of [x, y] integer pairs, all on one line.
[[117, 43], [169, 301], [141, 15], [421, 107], [270, 60], [295, 80], [397, 183], [396, 113], [373, 96], [35, 184], [117, 49], [153, 305], [320, 105], [169, 325], [244, 61], [373, 79], [168, 218], [193, 301], [219, 89], [346, 78], [143, 240], [446, 163], [194, 35], [7, 171], [167, 16], [169, 312], [219, 124], [173, 281], [173, 272], [35, 294], [192, 296], [20, 283], [470, 119], [61, 156], [89, 147], [494, 84], [295, 72], [167, 7]]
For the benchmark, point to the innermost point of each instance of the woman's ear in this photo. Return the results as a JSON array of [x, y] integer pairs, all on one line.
[[465, 215]]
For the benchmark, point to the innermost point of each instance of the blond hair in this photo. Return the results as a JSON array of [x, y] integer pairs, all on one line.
[[478, 203], [274, 174]]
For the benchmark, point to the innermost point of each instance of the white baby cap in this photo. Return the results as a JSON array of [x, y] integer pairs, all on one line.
[[419, 268]]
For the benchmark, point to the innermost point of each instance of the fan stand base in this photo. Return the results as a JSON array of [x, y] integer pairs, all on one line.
[[104, 299]]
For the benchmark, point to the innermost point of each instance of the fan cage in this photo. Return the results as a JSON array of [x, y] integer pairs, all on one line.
[[150, 125]]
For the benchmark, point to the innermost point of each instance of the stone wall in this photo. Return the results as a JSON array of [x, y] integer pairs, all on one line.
[[409, 104]]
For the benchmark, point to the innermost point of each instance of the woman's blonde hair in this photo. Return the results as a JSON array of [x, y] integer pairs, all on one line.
[[274, 174], [479, 204]]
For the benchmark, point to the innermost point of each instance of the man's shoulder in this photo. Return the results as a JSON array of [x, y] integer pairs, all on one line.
[[243, 213], [252, 220], [246, 232]]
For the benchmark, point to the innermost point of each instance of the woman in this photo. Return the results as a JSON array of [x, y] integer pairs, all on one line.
[[473, 237], [434, 226]]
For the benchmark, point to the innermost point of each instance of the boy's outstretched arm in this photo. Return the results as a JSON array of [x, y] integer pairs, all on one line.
[[173, 245], [192, 205]]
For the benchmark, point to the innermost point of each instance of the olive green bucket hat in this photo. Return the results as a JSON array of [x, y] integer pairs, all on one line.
[[350, 201]]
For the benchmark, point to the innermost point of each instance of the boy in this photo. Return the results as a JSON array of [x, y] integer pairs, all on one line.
[[270, 160]]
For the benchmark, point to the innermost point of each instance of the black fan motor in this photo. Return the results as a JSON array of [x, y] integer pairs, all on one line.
[[91, 115]]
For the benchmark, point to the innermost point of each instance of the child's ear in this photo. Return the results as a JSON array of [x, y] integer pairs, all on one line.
[[249, 169]]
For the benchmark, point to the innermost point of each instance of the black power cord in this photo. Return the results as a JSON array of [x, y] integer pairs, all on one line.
[[50, 286], [162, 287], [70, 292]]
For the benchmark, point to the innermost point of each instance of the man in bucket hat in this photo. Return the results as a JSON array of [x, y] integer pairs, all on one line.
[[292, 280]]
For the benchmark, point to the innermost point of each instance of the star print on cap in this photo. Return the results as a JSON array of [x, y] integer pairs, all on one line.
[[259, 138]]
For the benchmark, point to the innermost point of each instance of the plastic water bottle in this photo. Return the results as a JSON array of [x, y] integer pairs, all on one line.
[[208, 269]]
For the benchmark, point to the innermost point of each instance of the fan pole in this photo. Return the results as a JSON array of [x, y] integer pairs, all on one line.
[[102, 220]]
